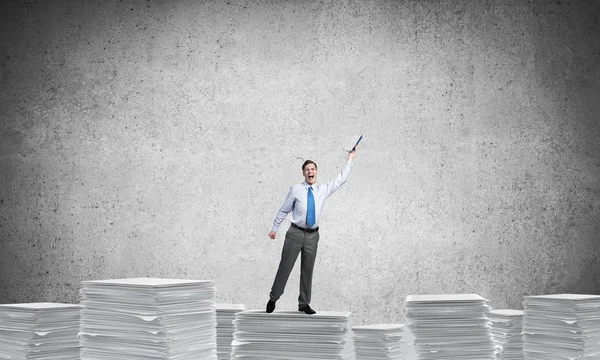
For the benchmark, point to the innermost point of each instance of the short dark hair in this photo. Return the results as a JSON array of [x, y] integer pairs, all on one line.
[[309, 162]]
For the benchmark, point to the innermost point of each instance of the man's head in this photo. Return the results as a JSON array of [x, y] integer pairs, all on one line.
[[309, 170]]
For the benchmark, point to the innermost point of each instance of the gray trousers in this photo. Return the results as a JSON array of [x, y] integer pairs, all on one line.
[[296, 242]]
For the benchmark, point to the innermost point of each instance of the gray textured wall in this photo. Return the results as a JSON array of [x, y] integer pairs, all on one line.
[[147, 138]]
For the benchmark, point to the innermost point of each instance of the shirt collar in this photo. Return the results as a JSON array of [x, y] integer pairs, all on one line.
[[307, 185]]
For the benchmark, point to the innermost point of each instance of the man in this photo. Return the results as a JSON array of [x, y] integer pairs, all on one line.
[[305, 202]]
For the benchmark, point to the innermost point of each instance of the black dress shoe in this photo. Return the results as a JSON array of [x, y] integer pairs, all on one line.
[[270, 306], [306, 309]]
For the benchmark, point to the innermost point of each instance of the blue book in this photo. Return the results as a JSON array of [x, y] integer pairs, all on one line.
[[355, 140]]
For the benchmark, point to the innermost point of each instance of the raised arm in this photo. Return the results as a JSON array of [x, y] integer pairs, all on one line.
[[339, 180]]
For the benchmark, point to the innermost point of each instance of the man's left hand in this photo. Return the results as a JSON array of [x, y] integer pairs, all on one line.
[[352, 154]]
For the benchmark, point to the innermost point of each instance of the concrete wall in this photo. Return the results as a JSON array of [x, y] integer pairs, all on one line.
[[147, 138]]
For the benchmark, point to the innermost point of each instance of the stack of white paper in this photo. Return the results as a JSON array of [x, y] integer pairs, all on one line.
[[225, 328], [378, 341], [562, 326], [291, 335], [449, 326], [39, 331], [507, 327], [148, 318]]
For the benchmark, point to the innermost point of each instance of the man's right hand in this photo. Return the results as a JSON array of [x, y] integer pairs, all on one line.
[[272, 234]]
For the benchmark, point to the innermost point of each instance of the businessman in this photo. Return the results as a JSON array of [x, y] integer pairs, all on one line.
[[305, 202]]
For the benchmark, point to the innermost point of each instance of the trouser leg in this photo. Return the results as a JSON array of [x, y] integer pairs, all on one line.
[[307, 260], [291, 247]]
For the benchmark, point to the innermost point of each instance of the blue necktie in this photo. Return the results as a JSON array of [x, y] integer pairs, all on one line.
[[310, 214]]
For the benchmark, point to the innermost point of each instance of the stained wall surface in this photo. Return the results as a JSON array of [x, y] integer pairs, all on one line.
[[155, 138]]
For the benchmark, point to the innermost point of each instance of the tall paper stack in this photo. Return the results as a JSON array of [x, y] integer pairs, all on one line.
[[292, 335], [561, 326], [225, 328], [452, 326], [378, 341], [146, 318], [507, 327], [39, 331]]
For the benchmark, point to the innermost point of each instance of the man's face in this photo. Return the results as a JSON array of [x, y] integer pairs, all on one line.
[[310, 174]]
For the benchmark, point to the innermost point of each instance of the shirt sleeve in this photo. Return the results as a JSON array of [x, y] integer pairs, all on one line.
[[285, 209], [339, 180]]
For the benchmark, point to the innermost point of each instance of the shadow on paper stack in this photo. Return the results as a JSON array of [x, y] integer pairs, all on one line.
[[507, 327], [561, 326], [449, 326], [225, 328], [292, 335], [148, 318], [379, 341], [39, 331]]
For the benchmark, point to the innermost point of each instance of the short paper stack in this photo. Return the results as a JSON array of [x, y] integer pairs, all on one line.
[[39, 331], [291, 335], [507, 327], [147, 318], [378, 342], [225, 328]]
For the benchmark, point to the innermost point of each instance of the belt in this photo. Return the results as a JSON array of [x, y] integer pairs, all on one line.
[[303, 229]]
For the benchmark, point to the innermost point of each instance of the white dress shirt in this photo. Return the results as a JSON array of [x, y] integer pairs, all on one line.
[[296, 200]]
